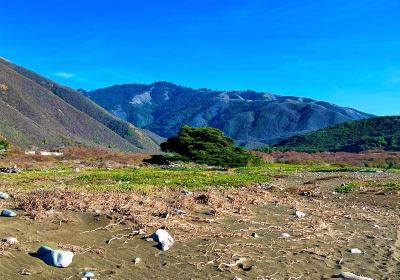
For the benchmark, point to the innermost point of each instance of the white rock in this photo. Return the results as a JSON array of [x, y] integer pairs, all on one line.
[[9, 240], [299, 214], [164, 239], [349, 275], [285, 235], [355, 251], [136, 260], [88, 275], [255, 235], [4, 195]]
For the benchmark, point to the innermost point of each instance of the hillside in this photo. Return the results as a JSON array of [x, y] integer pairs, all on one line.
[[380, 133], [251, 118], [35, 111]]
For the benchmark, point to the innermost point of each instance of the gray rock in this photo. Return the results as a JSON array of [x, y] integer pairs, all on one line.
[[8, 213], [56, 258], [88, 274], [4, 195]]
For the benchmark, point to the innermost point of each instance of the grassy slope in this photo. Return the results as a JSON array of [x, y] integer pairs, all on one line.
[[127, 131], [380, 133], [31, 115]]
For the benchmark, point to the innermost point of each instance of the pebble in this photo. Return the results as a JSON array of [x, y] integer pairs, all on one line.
[[299, 214], [88, 274], [8, 213], [4, 195], [57, 258], [255, 235], [349, 275], [136, 260], [9, 240], [285, 235], [186, 192], [355, 251], [164, 239]]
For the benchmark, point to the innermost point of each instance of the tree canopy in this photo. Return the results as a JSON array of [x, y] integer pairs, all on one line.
[[207, 145]]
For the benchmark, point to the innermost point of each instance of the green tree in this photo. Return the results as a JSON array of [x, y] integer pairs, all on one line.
[[206, 145]]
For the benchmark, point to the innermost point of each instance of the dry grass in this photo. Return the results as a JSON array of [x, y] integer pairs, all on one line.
[[367, 159]]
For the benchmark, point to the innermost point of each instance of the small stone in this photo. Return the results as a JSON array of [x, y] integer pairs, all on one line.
[[255, 235], [164, 239], [149, 239], [8, 213], [355, 251], [285, 235], [299, 214], [136, 260], [186, 192], [349, 275], [376, 226], [4, 195], [9, 240], [237, 278], [57, 258], [88, 274], [180, 211]]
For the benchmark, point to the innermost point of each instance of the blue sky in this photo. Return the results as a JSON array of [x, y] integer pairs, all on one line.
[[342, 51]]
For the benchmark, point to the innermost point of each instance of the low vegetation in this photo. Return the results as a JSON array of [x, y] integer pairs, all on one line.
[[382, 160], [380, 133], [3, 143], [206, 145]]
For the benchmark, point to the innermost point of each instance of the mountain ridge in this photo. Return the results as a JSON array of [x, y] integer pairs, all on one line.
[[35, 111], [251, 118]]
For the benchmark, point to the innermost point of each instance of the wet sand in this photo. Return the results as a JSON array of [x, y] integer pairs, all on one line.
[[210, 243]]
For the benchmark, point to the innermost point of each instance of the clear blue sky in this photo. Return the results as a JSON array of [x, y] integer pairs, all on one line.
[[342, 51]]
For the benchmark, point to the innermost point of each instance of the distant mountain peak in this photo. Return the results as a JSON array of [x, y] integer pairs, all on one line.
[[251, 118]]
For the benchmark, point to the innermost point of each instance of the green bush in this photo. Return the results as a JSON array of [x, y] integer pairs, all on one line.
[[206, 145], [3, 144]]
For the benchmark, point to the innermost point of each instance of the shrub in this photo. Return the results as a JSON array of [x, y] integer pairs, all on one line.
[[206, 145], [3, 143]]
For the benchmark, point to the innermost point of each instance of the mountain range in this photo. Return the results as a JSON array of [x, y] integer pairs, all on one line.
[[38, 112], [252, 119]]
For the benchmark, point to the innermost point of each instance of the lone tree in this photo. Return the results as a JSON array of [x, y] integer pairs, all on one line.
[[207, 145]]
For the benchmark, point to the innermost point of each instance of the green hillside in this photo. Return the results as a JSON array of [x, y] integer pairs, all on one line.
[[379, 133], [36, 112]]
